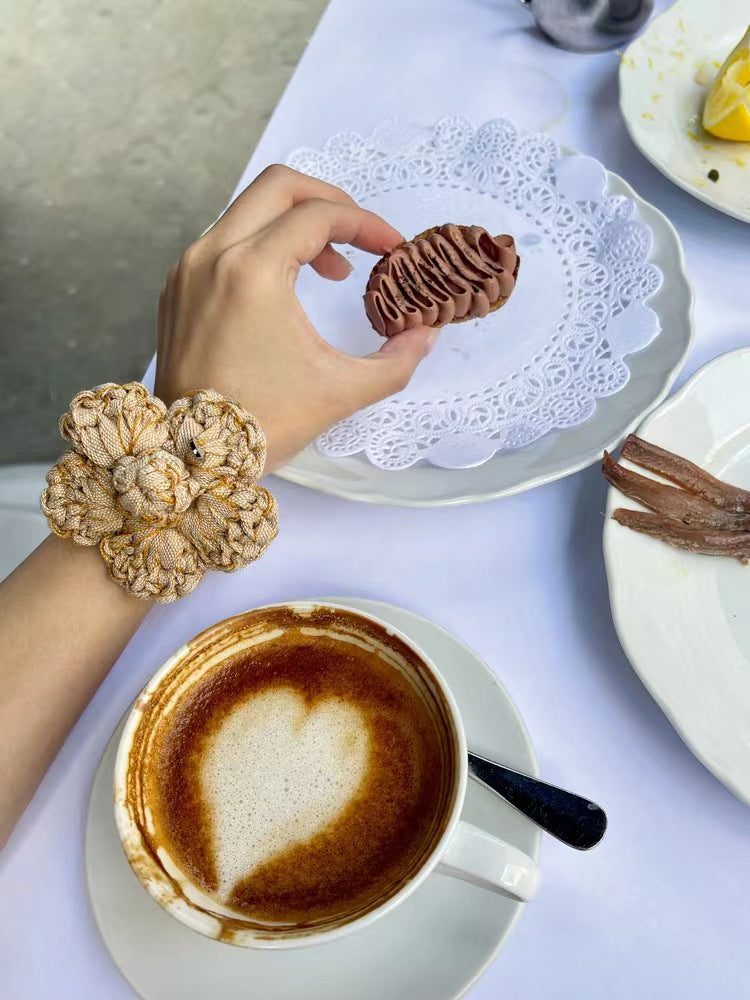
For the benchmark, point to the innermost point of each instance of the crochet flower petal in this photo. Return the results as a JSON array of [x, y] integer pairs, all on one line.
[[79, 501], [165, 494], [212, 433], [231, 527], [160, 564], [114, 420], [154, 486]]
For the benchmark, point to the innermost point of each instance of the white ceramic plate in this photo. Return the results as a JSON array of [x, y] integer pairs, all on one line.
[[433, 947], [682, 618], [560, 453], [664, 78]]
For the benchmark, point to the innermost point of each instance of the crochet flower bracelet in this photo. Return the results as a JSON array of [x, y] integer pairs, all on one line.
[[166, 493]]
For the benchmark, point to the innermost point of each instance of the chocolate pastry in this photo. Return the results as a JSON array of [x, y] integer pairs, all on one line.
[[447, 274]]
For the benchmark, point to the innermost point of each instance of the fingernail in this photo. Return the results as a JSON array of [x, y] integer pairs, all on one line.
[[432, 338], [349, 265]]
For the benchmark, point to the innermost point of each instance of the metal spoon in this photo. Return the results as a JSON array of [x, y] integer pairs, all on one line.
[[572, 819]]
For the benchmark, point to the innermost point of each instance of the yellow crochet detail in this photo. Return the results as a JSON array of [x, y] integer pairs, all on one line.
[[165, 493]]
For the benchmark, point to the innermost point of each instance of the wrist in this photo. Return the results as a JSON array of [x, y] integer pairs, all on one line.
[[83, 567]]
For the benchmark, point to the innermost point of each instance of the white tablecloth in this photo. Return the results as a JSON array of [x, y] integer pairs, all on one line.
[[660, 909]]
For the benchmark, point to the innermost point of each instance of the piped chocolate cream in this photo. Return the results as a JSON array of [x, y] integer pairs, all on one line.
[[447, 274]]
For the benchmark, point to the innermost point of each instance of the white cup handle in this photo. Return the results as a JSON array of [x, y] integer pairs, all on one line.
[[476, 856]]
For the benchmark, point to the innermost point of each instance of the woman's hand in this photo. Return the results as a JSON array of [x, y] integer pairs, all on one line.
[[229, 318]]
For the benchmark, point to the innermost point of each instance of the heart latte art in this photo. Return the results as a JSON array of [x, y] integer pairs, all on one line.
[[278, 773], [292, 771]]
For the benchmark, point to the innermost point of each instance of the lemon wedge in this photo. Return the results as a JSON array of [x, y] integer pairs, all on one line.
[[726, 113]]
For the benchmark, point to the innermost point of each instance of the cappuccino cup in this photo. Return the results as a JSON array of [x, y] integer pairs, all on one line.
[[295, 773]]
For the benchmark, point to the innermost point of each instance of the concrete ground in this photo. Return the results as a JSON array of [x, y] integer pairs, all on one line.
[[123, 130]]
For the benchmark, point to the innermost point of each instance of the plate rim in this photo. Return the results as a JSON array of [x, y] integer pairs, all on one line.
[[301, 477], [614, 588], [631, 126]]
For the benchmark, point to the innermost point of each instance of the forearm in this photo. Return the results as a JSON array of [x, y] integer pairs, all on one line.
[[229, 321], [63, 624]]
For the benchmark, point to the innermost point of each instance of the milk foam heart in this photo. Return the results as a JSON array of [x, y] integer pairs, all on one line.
[[278, 772], [288, 771]]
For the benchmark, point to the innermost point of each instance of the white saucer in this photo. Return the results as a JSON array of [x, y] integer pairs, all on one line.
[[433, 947], [682, 618], [558, 453], [665, 76]]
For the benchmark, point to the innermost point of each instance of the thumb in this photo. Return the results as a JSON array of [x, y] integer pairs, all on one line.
[[390, 369]]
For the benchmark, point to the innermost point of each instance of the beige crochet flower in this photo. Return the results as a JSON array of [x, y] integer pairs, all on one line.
[[165, 494]]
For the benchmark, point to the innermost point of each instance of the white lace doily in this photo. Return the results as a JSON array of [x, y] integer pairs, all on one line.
[[559, 344]]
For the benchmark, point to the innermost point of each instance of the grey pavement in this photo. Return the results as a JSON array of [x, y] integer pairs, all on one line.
[[123, 130]]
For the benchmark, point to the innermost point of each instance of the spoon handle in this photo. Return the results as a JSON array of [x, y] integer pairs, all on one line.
[[572, 819]]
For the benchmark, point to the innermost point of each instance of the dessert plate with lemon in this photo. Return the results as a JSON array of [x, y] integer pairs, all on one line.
[[685, 98]]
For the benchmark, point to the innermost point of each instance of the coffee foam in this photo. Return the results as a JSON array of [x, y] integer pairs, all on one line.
[[277, 773], [288, 772]]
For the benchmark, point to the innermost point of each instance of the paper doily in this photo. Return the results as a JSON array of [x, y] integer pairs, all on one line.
[[560, 343]]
